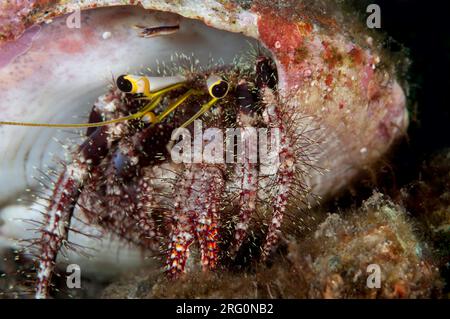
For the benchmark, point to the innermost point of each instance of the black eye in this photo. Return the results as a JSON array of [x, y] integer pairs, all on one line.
[[266, 73], [245, 98], [219, 90], [123, 84]]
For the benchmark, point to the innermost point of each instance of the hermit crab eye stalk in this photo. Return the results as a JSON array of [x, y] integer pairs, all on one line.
[[148, 85], [217, 87]]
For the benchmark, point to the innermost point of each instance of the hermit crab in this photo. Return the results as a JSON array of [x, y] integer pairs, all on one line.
[[327, 99]]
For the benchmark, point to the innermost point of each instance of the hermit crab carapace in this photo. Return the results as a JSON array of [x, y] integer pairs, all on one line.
[[335, 105]]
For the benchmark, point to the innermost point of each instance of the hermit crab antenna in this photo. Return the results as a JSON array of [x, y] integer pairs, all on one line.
[[177, 103], [217, 88], [128, 84]]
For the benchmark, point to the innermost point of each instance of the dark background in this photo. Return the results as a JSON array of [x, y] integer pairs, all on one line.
[[423, 27]]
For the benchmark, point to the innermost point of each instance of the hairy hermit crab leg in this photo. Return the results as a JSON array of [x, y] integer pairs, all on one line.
[[284, 177], [197, 204], [195, 217], [247, 171], [285, 174], [68, 187]]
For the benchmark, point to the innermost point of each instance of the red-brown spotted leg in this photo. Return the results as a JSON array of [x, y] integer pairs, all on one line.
[[67, 191], [196, 217], [181, 240], [285, 172], [247, 170], [57, 223], [60, 210], [211, 183], [182, 225], [143, 213], [248, 175]]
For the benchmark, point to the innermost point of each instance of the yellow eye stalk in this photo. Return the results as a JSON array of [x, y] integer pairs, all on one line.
[[153, 88], [136, 84], [218, 89]]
